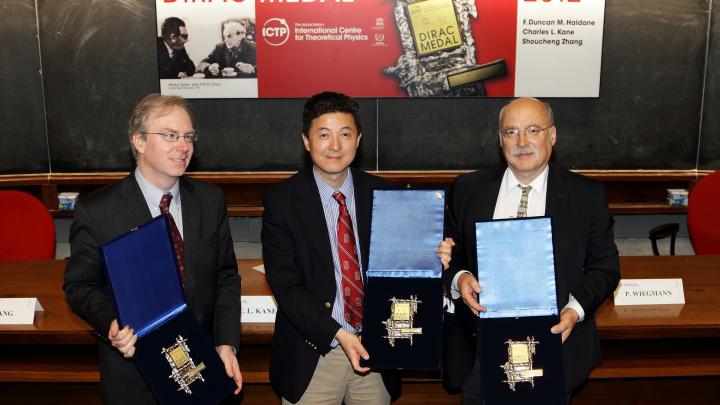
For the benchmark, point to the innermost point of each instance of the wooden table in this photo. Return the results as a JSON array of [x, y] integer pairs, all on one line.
[[660, 354]]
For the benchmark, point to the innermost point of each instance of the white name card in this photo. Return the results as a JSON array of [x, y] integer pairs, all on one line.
[[258, 309], [18, 311], [650, 291]]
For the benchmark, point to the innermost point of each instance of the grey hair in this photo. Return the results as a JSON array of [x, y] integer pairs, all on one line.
[[137, 124]]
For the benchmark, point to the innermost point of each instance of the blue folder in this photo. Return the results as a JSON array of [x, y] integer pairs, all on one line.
[[516, 267], [142, 271], [407, 226], [516, 270], [141, 268]]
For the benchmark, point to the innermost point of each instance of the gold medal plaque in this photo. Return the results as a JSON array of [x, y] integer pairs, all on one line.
[[438, 57], [435, 26], [519, 367], [400, 323], [184, 370]]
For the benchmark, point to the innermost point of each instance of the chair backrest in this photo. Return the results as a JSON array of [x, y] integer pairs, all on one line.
[[661, 232], [27, 230], [704, 215]]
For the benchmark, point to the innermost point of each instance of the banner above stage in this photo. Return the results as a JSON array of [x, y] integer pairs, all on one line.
[[380, 48]]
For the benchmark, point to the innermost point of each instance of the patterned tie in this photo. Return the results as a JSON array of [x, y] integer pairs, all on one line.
[[522, 208], [350, 268], [177, 239]]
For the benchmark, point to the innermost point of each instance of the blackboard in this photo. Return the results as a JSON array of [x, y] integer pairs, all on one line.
[[709, 151], [24, 147], [655, 109]]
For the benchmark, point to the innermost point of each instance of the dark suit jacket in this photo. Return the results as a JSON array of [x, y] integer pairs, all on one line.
[[300, 271], [227, 58], [170, 67], [586, 262], [212, 284]]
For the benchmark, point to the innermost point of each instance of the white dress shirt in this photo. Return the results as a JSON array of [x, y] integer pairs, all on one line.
[[153, 195]]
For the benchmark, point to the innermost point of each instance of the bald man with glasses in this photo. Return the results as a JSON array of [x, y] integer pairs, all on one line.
[[586, 258]]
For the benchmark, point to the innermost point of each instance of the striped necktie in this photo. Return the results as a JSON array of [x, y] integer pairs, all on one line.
[[352, 286], [177, 239], [522, 208]]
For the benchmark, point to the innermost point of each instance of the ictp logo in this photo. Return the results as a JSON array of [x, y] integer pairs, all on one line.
[[275, 31]]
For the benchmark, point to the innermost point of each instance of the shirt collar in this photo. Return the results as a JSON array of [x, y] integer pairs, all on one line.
[[170, 50], [539, 184], [326, 191], [230, 48], [153, 194]]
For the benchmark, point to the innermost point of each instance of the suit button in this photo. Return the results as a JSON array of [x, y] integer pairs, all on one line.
[[328, 305]]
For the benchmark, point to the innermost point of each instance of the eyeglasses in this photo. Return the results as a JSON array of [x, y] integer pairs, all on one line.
[[185, 36], [533, 131], [191, 137]]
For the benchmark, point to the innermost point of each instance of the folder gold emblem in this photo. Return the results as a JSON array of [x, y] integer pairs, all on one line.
[[184, 370], [519, 367], [400, 324]]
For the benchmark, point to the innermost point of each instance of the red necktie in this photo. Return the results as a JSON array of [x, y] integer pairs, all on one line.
[[350, 268], [177, 239]]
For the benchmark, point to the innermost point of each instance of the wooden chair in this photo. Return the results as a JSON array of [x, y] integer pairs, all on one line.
[[661, 232]]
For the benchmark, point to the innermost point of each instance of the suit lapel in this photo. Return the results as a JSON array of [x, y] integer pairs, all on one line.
[[555, 197], [133, 209], [486, 196], [191, 217], [312, 216]]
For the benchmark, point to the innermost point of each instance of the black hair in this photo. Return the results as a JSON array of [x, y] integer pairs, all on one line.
[[330, 102], [171, 25]]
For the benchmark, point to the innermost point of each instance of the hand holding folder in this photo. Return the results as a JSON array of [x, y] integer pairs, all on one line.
[[123, 340]]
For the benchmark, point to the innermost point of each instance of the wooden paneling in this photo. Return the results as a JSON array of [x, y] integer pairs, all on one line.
[[651, 355], [629, 191]]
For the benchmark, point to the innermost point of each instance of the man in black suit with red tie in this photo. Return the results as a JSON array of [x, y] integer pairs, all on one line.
[[316, 228], [162, 138], [586, 258]]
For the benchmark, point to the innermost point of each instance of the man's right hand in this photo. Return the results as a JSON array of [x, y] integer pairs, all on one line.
[[214, 69], [123, 340], [469, 290], [350, 343]]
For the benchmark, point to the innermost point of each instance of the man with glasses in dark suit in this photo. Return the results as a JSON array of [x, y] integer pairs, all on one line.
[[162, 138], [586, 258]]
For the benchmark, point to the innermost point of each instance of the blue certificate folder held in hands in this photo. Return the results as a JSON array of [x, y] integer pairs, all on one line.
[[172, 352], [522, 361], [402, 316]]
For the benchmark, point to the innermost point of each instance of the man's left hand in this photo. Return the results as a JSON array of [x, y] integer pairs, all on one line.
[[232, 368], [568, 319], [444, 252]]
